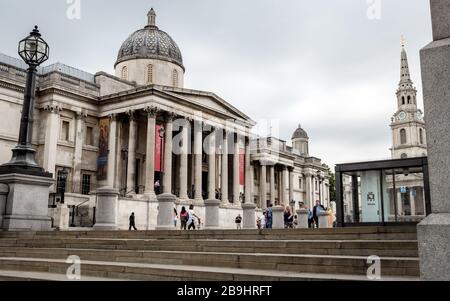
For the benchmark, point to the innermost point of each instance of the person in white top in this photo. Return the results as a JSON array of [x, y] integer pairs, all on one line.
[[191, 220]]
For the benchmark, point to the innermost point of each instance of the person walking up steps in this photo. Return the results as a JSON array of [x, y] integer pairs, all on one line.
[[132, 222], [191, 221], [238, 222]]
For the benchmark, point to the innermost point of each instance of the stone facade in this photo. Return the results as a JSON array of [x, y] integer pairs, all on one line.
[[104, 130]]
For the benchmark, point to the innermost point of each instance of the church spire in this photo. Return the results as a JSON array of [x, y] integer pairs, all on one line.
[[151, 17], [405, 76]]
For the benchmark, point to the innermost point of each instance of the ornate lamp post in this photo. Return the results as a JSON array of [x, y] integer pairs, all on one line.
[[34, 51], [161, 133]]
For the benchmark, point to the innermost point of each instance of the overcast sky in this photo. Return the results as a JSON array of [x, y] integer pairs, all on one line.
[[332, 66]]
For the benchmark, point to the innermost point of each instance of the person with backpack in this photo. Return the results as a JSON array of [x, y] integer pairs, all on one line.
[[238, 222], [191, 220], [184, 217]]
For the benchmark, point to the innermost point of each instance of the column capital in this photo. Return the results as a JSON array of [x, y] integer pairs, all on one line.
[[131, 114], [81, 115], [151, 111], [53, 107], [169, 116], [113, 116]]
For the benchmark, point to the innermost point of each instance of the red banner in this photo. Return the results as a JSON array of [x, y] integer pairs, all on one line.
[[159, 151], [102, 161], [242, 167]]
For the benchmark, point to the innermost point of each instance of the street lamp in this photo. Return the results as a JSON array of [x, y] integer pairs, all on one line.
[[161, 133], [34, 51]]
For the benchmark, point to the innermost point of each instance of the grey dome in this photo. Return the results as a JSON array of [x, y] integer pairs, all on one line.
[[300, 134], [150, 43]]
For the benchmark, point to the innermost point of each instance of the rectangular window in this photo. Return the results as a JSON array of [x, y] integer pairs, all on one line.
[[89, 136], [300, 183], [65, 130], [86, 184], [61, 180]]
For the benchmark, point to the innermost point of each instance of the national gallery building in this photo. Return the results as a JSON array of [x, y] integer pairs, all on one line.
[[140, 131]]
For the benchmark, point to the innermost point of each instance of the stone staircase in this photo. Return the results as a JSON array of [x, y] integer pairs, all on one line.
[[219, 255]]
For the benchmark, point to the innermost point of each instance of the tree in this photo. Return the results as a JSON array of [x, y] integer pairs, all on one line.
[[332, 181]]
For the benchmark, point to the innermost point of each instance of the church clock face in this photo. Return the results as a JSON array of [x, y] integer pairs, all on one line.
[[402, 116]]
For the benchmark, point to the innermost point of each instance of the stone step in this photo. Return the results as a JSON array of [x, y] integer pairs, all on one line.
[[39, 276], [356, 265], [315, 247], [145, 271], [372, 233]]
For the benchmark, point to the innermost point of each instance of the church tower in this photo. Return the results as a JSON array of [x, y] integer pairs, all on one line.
[[408, 126]]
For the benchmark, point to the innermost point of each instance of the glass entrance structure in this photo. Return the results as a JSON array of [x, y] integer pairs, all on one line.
[[390, 192]]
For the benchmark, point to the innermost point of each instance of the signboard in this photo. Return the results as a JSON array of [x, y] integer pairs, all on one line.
[[371, 199], [159, 151], [242, 167], [102, 161]]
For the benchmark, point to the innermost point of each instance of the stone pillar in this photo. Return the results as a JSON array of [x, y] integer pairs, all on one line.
[[107, 204], [309, 199], [278, 217], [212, 214], [167, 175], [272, 184], [212, 166], [323, 219], [291, 184], [78, 152], [198, 152], [131, 165], [224, 178], [52, 130], [263, 186], [150, 153], [119, 158], [302, 218], [112, 151], [286, 183], [184, 163], [166, 203], [248, 174], [236, 182], [434, 231]]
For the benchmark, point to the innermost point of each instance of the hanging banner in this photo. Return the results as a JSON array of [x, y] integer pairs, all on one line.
[[242, 167], [159, 151], [102, 161]]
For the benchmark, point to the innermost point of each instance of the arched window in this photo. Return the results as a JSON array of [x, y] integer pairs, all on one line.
[[175, 78], [421, 136], [409, 99], [404, 156], [125, 73], [403, 136], [403, 100], [150, 74]]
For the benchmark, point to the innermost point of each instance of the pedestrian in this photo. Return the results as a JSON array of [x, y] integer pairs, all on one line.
[[310, 218], [157, 187], [132, 222], [184, 217], [262, 219], [269, 214], [191, 220], [175, 216], [316, 210], [238, 222], [288, 218]]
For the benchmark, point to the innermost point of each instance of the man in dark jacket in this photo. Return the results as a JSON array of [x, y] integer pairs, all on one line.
[[318, 208], [132, 222]]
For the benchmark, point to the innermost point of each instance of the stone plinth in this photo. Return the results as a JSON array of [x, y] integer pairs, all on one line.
[[278, 217], [166, 203], [323, 219], [302, 218], [212, 214], [27, 202], [106, 214], [433, 232], [61, 216], [249, 217]]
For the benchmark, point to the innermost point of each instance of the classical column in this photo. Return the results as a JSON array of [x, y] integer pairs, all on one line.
[[112, 151], [308, 182], [434, 231], [77, 155], [131, 154], [184, 163], [212, 166], [198, 153], [236, 177], [272, 184], [119, 171], [224, 178], [286, 184], [150, 153], [248, 174], [167, 175], [263, 186], [291, 184], [52, 130]]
